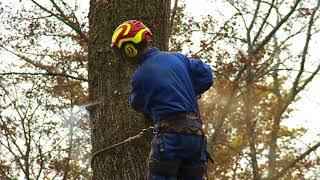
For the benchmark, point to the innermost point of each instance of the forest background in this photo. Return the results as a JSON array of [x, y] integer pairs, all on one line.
[[261, 116]]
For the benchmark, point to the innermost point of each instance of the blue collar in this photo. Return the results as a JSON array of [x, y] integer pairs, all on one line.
[[148, 53]]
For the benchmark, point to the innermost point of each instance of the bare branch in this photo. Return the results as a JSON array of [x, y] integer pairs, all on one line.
[[294, 89], [62, 18], [212, 40], [275, 29], [239, 12], [299, 158], [27, 59], [45, 74], [290, 69], [41, 160], [10, 140], [250, 48], [263, 22], [9, 133], [72, 11], [306, 82], [254, 16]]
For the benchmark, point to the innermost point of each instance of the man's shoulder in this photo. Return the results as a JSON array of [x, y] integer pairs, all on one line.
[[170, 53], [144, 69], [167, 55], [136, 74]]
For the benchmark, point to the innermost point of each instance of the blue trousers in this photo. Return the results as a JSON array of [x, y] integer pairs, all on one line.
[[186, 150]]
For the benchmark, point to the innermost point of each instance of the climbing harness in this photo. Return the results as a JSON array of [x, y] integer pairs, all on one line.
[[178, 123], [130, 139], [169, 125]]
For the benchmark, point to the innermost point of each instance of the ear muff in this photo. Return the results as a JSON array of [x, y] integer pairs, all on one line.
[[130, 50]]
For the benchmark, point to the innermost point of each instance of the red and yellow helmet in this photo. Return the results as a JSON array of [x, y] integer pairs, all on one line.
[[130, 31]]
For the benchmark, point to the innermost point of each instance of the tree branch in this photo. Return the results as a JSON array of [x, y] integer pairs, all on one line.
[[294, 89], [275, 29], [27, 59], [173, 14], [254, 16], [250, 128], [275, 74], [10, 140], [276, 117], [299, 158], [250, 48], [306, 82], [239, 12], [284, 104], [263, 22], [62, 18], [46, 74], [212, 40]]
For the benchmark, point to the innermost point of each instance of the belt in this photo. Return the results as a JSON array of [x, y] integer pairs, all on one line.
[[182, 115], [185, 123]]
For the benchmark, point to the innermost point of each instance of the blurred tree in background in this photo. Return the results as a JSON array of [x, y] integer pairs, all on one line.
[[43, 132], [260, 71]]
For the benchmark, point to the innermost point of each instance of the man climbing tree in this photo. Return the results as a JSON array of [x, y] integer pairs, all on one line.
[[165, 88]]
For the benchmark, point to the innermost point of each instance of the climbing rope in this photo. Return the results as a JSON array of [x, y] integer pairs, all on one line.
[[130, 139]]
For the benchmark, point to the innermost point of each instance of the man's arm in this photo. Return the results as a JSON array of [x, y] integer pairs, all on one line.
[[201, 75], [138, 98]]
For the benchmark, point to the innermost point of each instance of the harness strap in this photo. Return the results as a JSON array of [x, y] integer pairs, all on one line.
[[186, 130], [182, 116], [181, 123]]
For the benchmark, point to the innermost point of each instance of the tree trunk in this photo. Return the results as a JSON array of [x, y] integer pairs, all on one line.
[[112, 120]]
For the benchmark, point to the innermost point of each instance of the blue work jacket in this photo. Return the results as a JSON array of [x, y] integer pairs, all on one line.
[[166, 83]]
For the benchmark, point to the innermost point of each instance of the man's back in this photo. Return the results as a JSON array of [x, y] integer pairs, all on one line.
[[168, 83]]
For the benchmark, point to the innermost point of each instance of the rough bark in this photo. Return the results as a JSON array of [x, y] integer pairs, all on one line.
[[113, 120]]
